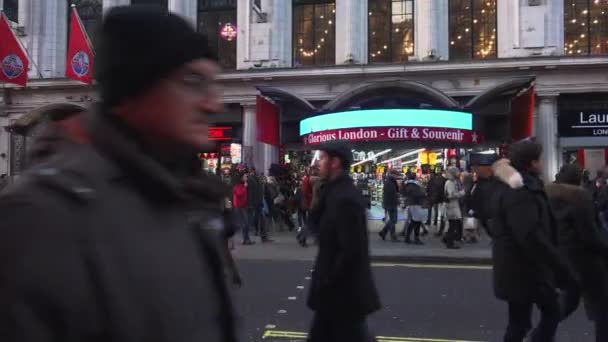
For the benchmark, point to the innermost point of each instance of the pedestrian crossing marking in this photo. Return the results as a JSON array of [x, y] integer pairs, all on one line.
[[277, 335], [455, 267]]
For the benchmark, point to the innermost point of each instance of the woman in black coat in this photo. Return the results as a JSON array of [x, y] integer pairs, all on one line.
[[582, 243]]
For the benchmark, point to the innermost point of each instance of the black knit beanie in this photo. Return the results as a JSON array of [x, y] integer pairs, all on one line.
[[140, 45]]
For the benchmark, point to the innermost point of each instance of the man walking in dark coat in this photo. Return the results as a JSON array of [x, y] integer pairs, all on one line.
[[528, 268], [255, 198], [436, 194], [342, 289], [390, 203], [98, 243], [583, 243]]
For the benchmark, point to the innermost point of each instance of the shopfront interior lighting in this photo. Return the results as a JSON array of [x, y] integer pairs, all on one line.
[[374, 157], [411, 153], [488, 152], [315, 158]]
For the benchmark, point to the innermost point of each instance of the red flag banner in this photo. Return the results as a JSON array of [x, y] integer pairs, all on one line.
[[80, 60], [12, 56]]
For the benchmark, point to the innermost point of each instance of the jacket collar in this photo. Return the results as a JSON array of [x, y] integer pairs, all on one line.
[[508, 175], [132, 162]]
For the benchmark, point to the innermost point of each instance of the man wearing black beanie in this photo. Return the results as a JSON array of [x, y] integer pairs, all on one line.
[[114, 240]]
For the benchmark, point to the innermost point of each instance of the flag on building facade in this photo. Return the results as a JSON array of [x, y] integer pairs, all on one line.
[[80, 59], [14, 61]]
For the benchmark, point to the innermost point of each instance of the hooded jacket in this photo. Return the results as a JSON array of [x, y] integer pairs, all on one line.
[[527, 263]]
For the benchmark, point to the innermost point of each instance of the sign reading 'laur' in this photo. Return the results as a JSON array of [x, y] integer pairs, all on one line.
[[576, 123], [370, 134]]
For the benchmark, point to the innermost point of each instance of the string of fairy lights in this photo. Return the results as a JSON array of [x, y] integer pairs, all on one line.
[[402, 23], [329, 21], [483, 19], [585, 30]]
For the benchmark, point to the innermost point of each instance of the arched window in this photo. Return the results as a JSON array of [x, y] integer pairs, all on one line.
[[390, 30], [217, 20], [472, 29], [586, 27], [11, 10], [162, 3], [314, 32]]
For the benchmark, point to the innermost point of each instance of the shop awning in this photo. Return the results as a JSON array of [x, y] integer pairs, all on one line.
[[426, 95], [283, 97], [33, 117], [507, 90]]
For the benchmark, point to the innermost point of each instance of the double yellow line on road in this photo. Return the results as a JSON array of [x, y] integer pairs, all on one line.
[[293, 335], [439, 266]]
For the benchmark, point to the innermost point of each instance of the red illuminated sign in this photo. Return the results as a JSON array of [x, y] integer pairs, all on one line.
[[220, 133], [394, 134]]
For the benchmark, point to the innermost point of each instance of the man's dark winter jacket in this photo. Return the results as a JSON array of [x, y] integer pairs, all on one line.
[[436, 189], [342, 281], [390, 193], [255, 192], [526, 260], [582, 242], [99, 244]]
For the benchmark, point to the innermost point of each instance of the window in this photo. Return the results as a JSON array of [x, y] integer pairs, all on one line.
[[586, 27], [472, 29], [314, 32], [162, 3], [11, 9], [390, 40], [217, 20], [90, 12]]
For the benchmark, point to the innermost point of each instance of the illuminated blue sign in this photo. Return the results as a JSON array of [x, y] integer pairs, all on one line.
[[432, 118]]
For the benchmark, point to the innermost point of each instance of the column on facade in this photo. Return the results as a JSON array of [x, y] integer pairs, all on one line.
[[249, 134], [264, 39], [185, 8], [351, 31], [546, 133], [431, 32], [107, 4], [45, 24]]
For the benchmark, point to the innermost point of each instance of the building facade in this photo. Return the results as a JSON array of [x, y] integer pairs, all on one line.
[[315, 50]]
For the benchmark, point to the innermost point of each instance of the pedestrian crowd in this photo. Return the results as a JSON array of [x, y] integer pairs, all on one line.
[[114, 232]]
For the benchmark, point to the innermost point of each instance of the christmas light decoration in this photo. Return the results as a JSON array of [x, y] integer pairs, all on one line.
[[585, 27], [472, 29]]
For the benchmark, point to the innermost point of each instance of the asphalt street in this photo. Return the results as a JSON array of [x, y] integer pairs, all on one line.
[[431, 303]]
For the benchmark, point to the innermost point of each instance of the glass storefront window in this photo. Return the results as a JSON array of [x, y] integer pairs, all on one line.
[[314, 32], [11, 10], [162, 3], [90, 12], [390, 41], [472, 25], [217, 20], [585, 27]]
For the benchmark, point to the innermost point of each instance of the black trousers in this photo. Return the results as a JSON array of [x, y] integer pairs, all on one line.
[[454, 232], [520, 320], [413, 227], [391, 223], [256, 218], [335, 328]]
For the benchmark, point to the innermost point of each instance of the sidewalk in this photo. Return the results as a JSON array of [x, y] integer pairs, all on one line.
[[285, 247]]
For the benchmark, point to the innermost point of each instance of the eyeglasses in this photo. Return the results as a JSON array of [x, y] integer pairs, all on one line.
[[200, 84]]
